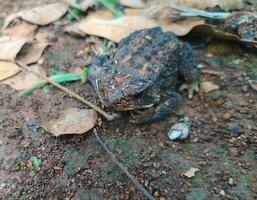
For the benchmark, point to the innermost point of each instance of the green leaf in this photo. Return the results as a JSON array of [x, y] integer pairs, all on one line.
[[113, 6], [73, 14], [35, 162]]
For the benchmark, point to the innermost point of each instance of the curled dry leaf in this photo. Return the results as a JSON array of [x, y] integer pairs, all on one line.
[[10, 47], [72, 121], [224, 4], [8, 69], [24, 79], [20, 29], [208, 86], [33, 53], [210, 30], [183, 27], [191, 172], [42, 15]]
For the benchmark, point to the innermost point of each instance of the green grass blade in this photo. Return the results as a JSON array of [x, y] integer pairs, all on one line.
[[59, 78], [112, 5]]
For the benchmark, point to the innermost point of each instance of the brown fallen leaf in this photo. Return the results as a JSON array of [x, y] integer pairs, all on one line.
[[33, 53], [8, 69], [74, 30], [42, 36], [182, 27], [191, 172], [24, 79], [10, 47], [115, 29], [102, 14], [210, 30], [42, 15], [132, 3], [208, 86], [20, 29], [253, 84], [82, 4], [72, 121]]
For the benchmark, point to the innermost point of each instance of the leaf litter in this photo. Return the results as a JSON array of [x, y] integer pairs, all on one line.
[[8, 69], [42, 15], [20, 28], [72, 121], [33, 53], [191, 172], [10, 47], [24, 79]]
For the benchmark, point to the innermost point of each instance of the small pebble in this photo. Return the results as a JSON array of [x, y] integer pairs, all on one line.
[[222, 192], [179, 131], [40, 61], [230, 181], [227, 116]]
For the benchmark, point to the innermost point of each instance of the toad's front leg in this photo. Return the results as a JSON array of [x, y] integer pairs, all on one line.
[[160, 111]]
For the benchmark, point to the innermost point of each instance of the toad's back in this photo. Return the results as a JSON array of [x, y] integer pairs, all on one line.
[[143, 59]]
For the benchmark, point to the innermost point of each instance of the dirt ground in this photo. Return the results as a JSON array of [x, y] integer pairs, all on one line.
[[222, 142]]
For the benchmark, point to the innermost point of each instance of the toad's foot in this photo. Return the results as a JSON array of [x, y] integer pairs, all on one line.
[[193, 87], [157, 112]]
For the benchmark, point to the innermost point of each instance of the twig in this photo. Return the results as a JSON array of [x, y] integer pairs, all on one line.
[[124, 169], [70, 93]]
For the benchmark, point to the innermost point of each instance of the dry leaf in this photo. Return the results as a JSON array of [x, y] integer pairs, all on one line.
[[33, 53], [10, 47], [72, 121], [253, 84], [8, 69], [183, 27], [74, 30], [224, 4], [20, 29], [25, 79], [42, 15], [210, 30], [42, 36], [132, 3], [82, 4], [191, 172], [208, 86], [103, 14], [115, 29]]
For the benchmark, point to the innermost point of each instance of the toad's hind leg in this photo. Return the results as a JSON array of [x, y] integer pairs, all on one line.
[[188, 70], [160, 111]]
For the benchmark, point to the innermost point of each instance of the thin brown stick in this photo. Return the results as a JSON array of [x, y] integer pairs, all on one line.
[[123, 168], [70, 93]]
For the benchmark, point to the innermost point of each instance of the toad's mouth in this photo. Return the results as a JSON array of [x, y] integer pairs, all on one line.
[[126, 107]]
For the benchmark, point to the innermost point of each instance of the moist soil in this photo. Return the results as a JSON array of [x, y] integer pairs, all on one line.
[[222, 141]]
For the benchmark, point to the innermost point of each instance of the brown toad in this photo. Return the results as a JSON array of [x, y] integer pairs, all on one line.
[[144, 73]]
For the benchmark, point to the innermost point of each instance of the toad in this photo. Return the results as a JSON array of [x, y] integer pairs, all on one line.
[[144, 74]]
